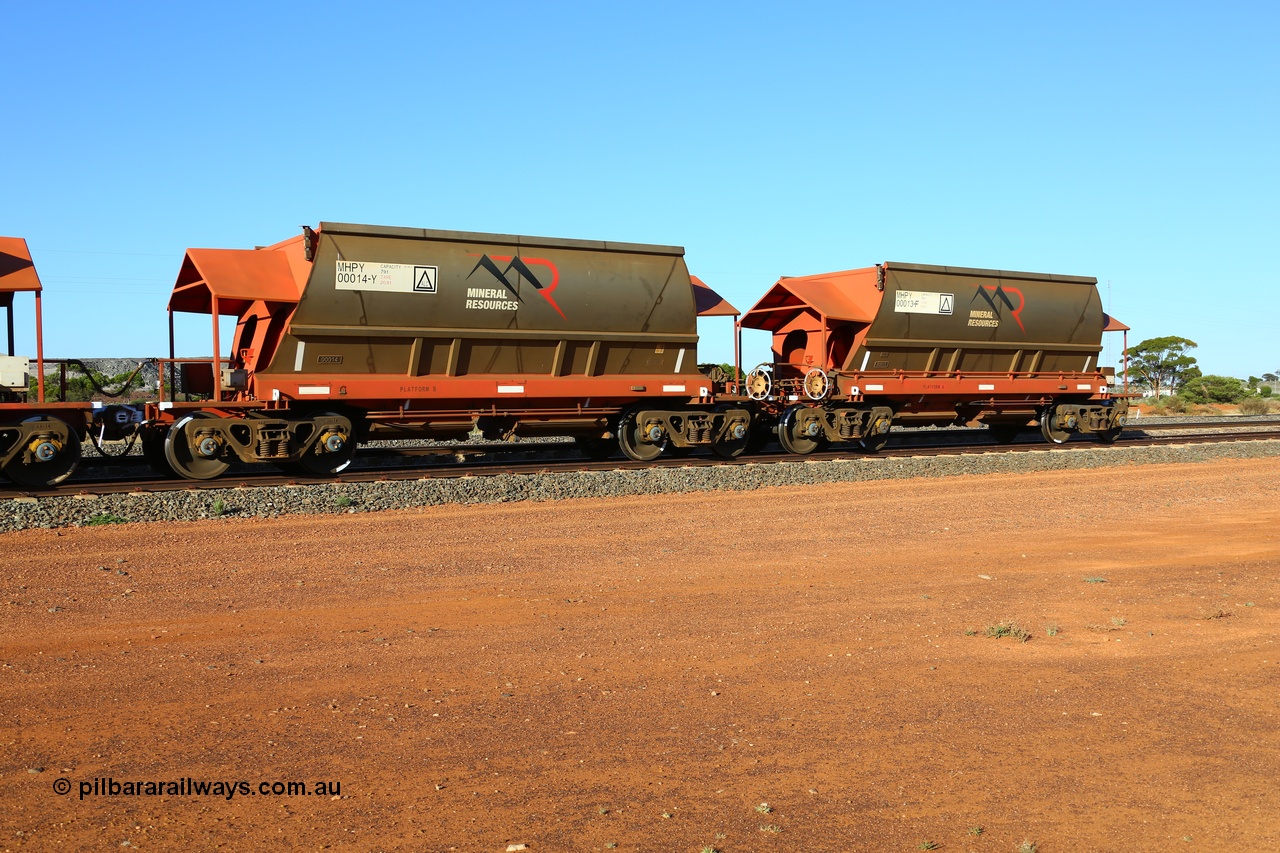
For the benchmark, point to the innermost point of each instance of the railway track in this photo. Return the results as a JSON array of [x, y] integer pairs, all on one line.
[[398, 464]]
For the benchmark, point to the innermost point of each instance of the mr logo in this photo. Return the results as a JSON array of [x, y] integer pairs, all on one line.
[[997, 295], [520, 266]]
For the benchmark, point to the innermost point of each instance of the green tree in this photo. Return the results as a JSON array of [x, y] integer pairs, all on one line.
[[1213, 389], [1161, 364], [1270, 377]]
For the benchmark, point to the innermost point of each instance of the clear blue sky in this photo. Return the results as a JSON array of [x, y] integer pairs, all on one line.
[[1134, 142]]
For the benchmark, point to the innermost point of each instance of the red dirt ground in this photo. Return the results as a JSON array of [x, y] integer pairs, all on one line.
[[646, 672]]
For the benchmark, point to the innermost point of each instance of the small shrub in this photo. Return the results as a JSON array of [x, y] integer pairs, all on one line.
[[1095, 580], [771, 828], [1028, 847], [1008, 629], [764, 808], [1254, 406], [219, 507], [342, 501], [106, 518], [1051, 630]]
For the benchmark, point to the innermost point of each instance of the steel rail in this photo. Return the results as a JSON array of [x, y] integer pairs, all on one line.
[[555, 446], [266, 478]]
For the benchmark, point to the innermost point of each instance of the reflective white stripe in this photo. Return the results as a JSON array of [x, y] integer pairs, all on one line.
[[510, 389], [986, 387], [679, 359], [1084, 387], [865, 359], [672, 388], [164, 407], [313, 389], [871, 387], [1088, 361], [297, 359]]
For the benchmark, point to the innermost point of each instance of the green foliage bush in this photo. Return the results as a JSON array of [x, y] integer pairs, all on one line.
[[1214, 389], [80, 388]]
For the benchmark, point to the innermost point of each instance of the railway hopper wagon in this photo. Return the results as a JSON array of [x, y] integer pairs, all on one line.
[[347, 333], [855, 352]]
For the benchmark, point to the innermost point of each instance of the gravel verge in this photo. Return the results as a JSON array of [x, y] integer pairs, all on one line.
[[268, 502]]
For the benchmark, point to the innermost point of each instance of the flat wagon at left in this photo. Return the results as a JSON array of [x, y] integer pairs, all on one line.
[[40, 438]]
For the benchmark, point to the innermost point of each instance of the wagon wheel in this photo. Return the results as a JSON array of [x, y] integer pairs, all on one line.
[[332, 452], [734, 441], [874, 443], [49, 457], [1108, 436], [1052, 433], [790, 437], [816, 384], [185, 460], [763, 431], [595, 447], [1004, 433], [153, 450], [759, 383], [635, 445]]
